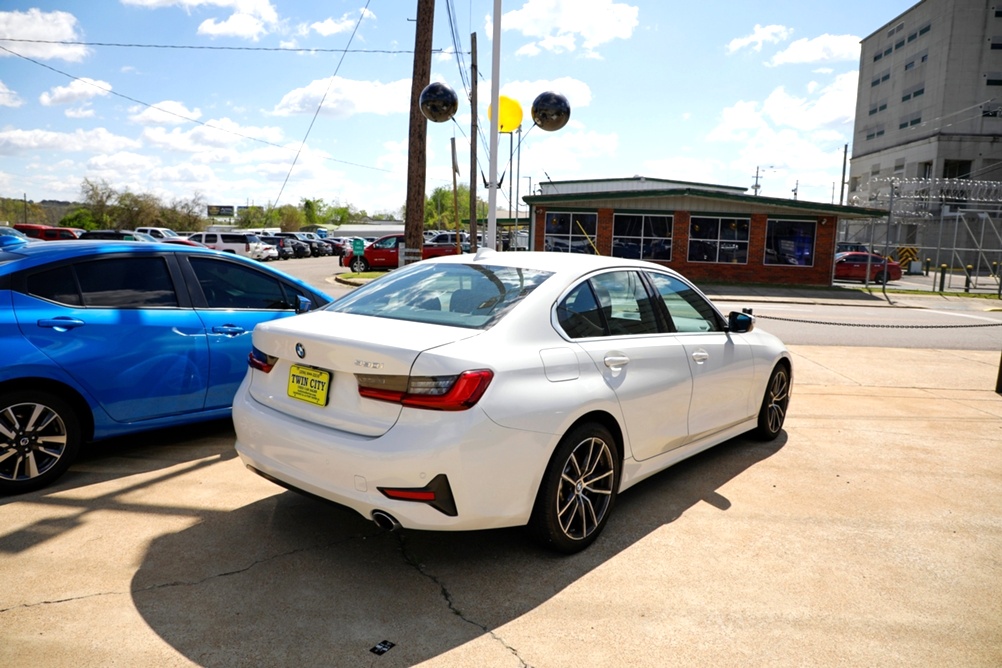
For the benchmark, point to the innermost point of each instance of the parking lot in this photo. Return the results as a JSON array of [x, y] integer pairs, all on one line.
[[868, 534]]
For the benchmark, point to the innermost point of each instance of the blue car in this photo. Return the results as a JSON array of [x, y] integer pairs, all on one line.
[[105, 338]]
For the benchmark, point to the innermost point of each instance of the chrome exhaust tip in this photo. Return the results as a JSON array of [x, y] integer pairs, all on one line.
[[385, 521]]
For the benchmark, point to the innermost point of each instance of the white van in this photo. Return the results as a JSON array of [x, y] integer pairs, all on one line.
[[248, 245], [158, 232]]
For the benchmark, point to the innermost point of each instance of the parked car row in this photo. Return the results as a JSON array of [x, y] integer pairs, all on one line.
[[281, 245]]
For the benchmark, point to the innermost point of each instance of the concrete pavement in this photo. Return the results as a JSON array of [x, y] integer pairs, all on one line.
[[869, 534]]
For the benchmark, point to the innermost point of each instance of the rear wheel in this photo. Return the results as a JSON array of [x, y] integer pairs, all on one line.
[[578, 490], [358, 265], [772, 415], [39, 439], [882, 278]]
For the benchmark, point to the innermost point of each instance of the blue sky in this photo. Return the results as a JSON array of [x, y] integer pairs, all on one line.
[[697, 91]]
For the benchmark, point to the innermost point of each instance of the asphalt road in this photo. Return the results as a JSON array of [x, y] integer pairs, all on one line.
[[868, 534]]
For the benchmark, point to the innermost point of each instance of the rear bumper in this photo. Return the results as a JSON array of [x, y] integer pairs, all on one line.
[[493, 472]]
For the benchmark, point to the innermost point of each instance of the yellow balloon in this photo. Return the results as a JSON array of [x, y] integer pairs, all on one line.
[[510, 118]]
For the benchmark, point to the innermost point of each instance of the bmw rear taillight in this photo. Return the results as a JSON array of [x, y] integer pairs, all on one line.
[[261, 361], [439, 393]]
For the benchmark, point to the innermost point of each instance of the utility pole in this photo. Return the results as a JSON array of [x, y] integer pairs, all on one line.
[[417, 167], [473, 142], [756, 187]]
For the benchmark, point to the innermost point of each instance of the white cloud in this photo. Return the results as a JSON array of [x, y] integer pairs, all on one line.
[[215, 138], [331, 26], [250, 18], [122, 161], [347, 97], [9, 98], [823, 49], [237, 25], [35, 24], [772, 34], [558, 25], [78, 90], [16, 141], [167, 112], [798, 136], [577, 92], [80, 112]]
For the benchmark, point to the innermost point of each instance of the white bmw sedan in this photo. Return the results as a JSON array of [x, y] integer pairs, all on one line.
[[504, 389]]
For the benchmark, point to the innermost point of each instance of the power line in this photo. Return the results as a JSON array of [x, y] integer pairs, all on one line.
[[174, 113], [330, 83], [288, 49]]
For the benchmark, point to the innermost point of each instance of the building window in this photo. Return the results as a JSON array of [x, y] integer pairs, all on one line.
[[571, 232], [641, 236], [723, 240], [899, 44], [878, 56], [924, 29], [790, 242], [912, 37], [996, 43]]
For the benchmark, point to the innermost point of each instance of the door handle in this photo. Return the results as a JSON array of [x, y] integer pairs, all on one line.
[[228, 329], [616, 361], [61, 324], [700, 356]]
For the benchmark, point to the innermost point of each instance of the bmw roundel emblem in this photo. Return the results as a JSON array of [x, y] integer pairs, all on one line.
[[300, 350]]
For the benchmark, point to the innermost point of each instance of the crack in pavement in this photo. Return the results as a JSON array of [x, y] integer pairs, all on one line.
[[450, 602]]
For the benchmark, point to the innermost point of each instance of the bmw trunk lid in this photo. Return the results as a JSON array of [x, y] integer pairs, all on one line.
[[315, 359]]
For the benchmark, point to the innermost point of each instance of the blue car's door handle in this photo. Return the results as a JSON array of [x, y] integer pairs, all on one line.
[[228, 329], [61, 324]]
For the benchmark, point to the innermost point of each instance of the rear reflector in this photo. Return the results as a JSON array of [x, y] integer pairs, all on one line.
[[437, 494]]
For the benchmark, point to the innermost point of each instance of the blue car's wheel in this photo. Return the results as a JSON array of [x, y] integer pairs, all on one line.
[[39, 439]]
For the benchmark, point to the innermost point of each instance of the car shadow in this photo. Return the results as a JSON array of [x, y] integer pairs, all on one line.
[[293, 580]]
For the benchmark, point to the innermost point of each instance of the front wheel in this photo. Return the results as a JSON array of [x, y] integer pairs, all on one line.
[[578, 490], [358, 265], [39, 439], [772, 415]]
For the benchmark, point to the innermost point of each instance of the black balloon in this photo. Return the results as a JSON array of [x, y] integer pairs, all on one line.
[[551, 111], [438, 102]]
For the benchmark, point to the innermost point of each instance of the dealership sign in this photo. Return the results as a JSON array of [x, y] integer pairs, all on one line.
[[220, 210]]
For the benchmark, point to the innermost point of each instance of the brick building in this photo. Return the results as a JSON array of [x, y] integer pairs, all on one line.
[[707, 232]]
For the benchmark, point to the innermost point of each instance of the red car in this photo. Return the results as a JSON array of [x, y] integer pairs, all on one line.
[[852, 267], [382, 254]]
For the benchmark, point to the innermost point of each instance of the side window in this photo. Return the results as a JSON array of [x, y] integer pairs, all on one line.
[[611, 304], [231, 285], [57, 285], [689, 311], [138, 282], [626, 303], [580, 315]]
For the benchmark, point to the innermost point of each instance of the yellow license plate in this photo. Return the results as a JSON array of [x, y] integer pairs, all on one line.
[[309, 385]]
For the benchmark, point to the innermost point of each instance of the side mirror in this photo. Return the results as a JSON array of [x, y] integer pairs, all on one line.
[[740, 323], [303, 304]]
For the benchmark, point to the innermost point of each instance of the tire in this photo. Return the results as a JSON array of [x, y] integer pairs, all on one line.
[[39, 439], [882, 278], [358, 265], [772, 415], [578, 490]]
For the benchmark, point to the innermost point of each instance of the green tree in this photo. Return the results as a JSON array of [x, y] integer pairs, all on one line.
[[184, 214], [100, 198], [16, 211], [134, 210], [440, 208], [81, 218], [289, 217]]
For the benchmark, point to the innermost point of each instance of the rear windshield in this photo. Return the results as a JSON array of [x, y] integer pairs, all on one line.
[[460, 295]]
